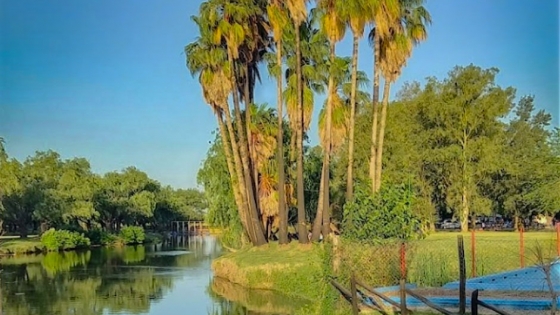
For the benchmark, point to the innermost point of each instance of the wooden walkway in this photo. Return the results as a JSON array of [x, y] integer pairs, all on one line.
[[189, 227]]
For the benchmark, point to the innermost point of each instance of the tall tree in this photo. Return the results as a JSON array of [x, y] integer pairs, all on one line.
[[356, 16], [208, 57], [229, 21], [405, 32], [332, 24], [383, 13], [340, 120], [526, 166], [298, 14], [278, 19], [461, 116]]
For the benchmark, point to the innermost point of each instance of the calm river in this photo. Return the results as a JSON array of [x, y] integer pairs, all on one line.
[[155, 280]]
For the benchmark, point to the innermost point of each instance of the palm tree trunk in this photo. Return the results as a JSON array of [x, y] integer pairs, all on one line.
[[256, 233], [302, 229], [350, 171], [318, 222], [240, 183], [379, 157], [322, 219], [252, 153], [282, 213], [373, 149], [226, 143], [327, 157]]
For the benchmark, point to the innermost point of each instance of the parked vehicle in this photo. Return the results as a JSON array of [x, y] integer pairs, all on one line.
[[449, 224]]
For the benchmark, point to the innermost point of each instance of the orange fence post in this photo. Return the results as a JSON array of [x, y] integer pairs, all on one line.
[[522, 246], [558, 238], [403, 261], [473, 253]]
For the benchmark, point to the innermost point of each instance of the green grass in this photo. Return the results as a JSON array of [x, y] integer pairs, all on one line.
[[434, 260], [16, 246], [267, 267], [296, 271]]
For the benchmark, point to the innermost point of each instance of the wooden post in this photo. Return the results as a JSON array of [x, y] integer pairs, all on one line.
[[473, 253], [522, 246], [404, 310], [462, 275], [354, 293], [474, 302], [403, 261]]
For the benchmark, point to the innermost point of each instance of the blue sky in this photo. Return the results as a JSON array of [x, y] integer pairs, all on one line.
[[106, 80]]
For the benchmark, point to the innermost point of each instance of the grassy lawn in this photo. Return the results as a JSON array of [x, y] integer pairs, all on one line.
[[15, 245], [434, 260]]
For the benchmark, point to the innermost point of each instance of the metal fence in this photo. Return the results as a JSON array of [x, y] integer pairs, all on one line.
[[502, 267]]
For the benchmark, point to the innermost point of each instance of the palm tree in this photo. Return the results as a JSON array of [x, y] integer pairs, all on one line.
[[356, 15], [333, 26], [298, 13], [382, 13], [278, 19], [225, 22], [340, 119], [251, 52], [406, 31], [207, 60], [313, 71], [263, 141]]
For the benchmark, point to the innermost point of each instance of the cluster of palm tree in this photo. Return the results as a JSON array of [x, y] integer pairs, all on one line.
[[298, 45]]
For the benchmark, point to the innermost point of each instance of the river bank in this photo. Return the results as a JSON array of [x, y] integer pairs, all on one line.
[[33, 244], [294, 270]]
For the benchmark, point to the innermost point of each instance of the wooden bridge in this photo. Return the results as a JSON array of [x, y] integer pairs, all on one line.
[[189, 227]]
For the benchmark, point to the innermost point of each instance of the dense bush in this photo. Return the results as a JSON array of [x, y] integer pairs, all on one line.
[[100, 237], [61, 240], [385, 215], [132, 235]]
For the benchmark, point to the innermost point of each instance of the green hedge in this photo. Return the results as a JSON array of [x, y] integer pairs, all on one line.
[[54, 240]]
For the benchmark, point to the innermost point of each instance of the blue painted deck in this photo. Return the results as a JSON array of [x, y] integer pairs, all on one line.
[[525, 279]]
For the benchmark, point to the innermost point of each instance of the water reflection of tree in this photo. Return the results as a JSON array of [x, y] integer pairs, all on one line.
[[114, 280]]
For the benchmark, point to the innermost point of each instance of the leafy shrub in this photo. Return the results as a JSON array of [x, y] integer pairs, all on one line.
[[100, 237], [383, 216], [61, 240], [132, 235]]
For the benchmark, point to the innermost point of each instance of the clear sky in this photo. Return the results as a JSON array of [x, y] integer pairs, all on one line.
[[107, 80]]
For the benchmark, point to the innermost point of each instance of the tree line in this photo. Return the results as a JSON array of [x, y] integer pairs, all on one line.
[[460, 143], [45, 191]]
